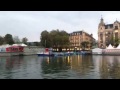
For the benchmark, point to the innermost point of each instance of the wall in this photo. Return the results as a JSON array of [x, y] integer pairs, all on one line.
[[32, 50]]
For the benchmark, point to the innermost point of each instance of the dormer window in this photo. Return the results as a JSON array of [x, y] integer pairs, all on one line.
[[116, 27]]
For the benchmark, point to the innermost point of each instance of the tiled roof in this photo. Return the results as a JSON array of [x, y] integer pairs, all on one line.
[[78, 32]]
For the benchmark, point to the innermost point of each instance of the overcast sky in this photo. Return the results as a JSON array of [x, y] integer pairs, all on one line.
[[31, 23]]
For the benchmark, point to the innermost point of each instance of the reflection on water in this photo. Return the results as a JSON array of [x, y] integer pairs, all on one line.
[[69, 67], [110, 67], [19, 67]]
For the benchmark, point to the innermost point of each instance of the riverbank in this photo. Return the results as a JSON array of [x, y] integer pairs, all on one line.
[[33, 50]]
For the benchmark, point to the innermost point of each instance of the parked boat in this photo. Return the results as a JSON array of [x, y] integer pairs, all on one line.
[[69, 53], [58, 54], [45, 54]]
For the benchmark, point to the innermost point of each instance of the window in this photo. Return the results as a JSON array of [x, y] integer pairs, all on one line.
[[101, 38], [116, 27]]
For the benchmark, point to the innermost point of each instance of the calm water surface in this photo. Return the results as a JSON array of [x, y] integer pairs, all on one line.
[[71, 67]]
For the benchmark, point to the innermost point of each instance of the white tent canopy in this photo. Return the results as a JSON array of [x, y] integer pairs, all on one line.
[[96, 49], [5, 46], [118, 47], [23, 44], [15, 45], [110, 47], [19, 45]]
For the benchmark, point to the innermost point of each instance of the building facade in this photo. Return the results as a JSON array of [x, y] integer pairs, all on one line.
[[108, 33], [76, 38]]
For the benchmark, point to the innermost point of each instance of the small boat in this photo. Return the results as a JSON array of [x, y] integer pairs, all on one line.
[[45, 54], [69, 53], [59, 54]]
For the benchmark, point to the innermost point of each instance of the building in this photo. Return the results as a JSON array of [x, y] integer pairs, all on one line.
[[11, 48], [33, 43], [107, 33], [76, 38]]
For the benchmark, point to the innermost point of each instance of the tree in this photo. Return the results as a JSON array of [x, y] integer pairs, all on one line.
[[112, 40], [55, 38], [16, 39], [45, 39], [85, 44], [1, 40], [8, 39], [59, 38], [117, 42], [24, 40]]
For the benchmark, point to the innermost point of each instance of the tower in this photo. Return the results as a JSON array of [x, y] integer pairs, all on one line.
[[101, 24], [101, 28]]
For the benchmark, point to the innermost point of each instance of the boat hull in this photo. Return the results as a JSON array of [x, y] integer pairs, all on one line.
[[45, 54]]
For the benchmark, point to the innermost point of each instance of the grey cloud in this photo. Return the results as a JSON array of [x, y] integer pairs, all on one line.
[[31, 23]]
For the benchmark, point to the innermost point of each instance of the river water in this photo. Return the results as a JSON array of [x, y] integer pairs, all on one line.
[[69, 67]]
